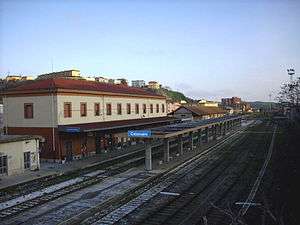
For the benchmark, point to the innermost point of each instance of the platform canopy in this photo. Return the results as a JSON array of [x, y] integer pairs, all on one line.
[[190, 126]]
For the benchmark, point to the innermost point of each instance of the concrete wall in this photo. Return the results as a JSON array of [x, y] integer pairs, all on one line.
[[42, 111], [15, 155], [103, 100]]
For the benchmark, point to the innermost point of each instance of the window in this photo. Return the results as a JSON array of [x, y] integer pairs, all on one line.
[[119, 109], [151, 108], [67, 109], [3, 164], [28, 110], [26, 160], [137, 108], [163, 108], [97, 109], [82, 108], [128, 108], [157, 108], [108, 109], [144, 108]]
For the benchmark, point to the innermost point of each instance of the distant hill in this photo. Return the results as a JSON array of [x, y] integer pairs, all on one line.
[[262, 105], [175, 96]]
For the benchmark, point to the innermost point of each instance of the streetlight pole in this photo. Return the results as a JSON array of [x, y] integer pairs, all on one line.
[[270, 99], [291, 73]]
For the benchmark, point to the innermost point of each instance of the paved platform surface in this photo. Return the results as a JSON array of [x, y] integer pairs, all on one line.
[[48, 169]]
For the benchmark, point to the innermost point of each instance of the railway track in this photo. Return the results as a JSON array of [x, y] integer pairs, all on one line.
[[190, 206], [184, 196], [91, 176], [117, 212], [221, 209], [87, 180], [189, 193], [22, 189], [90, 179]]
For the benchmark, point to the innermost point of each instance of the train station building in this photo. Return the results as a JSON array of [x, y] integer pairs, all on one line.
[[78, 117]]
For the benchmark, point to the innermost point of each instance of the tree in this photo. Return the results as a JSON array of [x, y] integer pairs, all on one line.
[[289, 94]]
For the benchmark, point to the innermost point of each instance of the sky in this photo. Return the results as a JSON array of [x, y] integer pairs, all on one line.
[[206, 49]]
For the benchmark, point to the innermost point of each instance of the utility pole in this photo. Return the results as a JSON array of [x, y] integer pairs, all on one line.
[[270, 101], [291, 73], [52, 64]]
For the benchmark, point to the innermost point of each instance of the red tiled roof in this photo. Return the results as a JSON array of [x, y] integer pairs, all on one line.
[[118, 124], [70, 84]]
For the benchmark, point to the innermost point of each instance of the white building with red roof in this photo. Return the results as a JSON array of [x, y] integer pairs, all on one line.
[[73, 115]]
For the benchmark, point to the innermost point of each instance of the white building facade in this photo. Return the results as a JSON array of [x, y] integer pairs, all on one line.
[[73, 114]]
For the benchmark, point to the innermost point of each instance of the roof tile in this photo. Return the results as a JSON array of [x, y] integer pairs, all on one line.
[[60, 83]]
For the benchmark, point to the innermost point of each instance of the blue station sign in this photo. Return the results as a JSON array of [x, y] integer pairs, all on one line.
[[139, 133], [72, 129]]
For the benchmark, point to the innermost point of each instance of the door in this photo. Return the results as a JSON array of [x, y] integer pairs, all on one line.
[[3, 165], [26, 160], [69, 151]]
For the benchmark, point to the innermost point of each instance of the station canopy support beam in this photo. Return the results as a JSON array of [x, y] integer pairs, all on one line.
[[180, 144], [199, 137], [215, 132], [206, 135], [166, 150], [148, 158], [191, 137]]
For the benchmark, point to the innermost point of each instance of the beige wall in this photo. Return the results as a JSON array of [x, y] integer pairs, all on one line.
[[103, 100], [42, 111], [15, 155], [43, 116]]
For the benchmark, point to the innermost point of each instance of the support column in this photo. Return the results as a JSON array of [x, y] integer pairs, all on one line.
[[148, 158], [180, 144], [191, 137], [214, 132], [219, 130], [166, 150], [224, 129], [199, 133], [206, 135]]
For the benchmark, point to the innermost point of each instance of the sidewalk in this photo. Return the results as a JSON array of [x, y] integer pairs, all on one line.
[[48, 169]]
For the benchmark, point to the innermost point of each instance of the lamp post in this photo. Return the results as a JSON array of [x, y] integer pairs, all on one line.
[[291, 73], [270, 99]]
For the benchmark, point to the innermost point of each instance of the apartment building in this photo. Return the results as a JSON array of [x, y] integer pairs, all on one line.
[[80, 117], [231, 101], [153, 85], [206, 103], [138, 83], [72, 74]]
